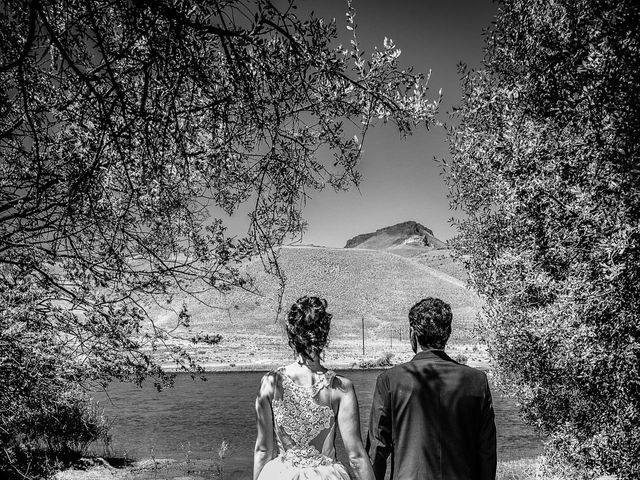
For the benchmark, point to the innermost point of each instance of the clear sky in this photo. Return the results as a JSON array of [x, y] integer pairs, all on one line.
[[401, 180]]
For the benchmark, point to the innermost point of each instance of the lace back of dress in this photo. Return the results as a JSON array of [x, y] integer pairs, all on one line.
[[300, 419]]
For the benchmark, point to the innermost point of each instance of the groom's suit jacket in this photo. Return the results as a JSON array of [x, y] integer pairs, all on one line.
[[435, 418]]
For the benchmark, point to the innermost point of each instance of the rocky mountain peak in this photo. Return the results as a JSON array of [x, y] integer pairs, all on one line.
[[409, 234]]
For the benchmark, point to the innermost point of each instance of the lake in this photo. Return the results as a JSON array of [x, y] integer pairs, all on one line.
[[193, 418]]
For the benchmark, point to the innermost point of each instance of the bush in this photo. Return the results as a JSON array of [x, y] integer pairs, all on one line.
[[46, 417], [50, 431], [461, 358], [74, 422], [545, 168], [382, 362]]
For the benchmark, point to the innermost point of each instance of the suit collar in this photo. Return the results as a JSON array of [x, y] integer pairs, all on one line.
[[432, 354]]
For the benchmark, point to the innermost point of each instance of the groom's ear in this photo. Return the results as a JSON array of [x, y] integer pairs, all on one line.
[[413, 338]]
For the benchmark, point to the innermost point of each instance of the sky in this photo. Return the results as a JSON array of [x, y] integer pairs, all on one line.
[[401, 179]]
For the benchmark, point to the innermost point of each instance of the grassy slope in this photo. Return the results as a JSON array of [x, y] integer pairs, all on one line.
[[377, 285], [443, 261]]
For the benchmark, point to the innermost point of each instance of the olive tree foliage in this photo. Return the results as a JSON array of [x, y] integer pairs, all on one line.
[[127, 128], [545, 168]]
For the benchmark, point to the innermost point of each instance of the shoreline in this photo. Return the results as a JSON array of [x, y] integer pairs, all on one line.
[[261, 353], [480, 362]]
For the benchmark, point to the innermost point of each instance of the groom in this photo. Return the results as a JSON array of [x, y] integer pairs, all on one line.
[[433, 415]]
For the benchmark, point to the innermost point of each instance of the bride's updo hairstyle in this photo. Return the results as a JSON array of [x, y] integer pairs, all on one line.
[[308, 326]]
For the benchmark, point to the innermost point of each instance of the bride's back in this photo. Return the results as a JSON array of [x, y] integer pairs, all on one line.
[[304, 412]]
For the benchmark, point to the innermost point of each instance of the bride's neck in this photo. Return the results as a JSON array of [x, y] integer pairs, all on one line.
[[312, 363]]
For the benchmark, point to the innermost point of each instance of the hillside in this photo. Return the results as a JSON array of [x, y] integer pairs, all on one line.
[[442, 261], [406, 235], [376, 285]]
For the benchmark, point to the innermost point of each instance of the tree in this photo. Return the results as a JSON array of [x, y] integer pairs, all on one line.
[[127, 128], [544, 167]]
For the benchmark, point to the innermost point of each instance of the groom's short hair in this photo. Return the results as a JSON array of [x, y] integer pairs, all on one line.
[[431, 318]]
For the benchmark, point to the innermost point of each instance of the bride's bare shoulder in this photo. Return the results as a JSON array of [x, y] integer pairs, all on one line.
[[268, 384]]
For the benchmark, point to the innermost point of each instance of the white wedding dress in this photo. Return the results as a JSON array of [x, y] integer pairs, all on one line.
[[304, 428]]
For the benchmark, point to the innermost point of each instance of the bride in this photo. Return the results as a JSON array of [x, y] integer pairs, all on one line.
[[299, 405]]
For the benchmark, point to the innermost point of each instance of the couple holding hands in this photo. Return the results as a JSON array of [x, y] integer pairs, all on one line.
[[432, 416]]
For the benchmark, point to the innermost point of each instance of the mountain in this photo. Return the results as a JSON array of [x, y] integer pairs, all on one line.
[[407, 238]]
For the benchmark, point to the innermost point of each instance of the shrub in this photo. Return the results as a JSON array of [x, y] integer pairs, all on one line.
[[545, 168], [46, 417], [461, 358], [49, 430], [382, 362]]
